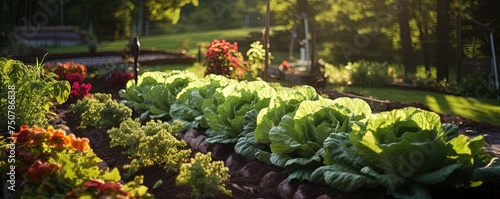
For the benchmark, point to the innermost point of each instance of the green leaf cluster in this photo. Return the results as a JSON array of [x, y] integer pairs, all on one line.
[[29, 91], [404, 150], [205, 177], [296, 143], [189, 104], [154, 143], [155, 93], [101, 111], [231, 106]]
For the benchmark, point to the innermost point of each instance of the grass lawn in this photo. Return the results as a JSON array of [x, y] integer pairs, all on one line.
[[485, 110], [173, 42]]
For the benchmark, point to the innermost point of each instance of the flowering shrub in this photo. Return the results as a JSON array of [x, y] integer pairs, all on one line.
[[63, 69], [80, 90], [120, 79], [223, 58]]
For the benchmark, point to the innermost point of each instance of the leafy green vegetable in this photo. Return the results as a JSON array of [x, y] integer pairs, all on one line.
[[188, 106], [404, 150], [286, 101], [299, 138], [155, 93], [225, 112]]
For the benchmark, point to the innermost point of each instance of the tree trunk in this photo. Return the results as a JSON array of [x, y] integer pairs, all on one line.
[[406, 47], [442, 37], [140, 18]]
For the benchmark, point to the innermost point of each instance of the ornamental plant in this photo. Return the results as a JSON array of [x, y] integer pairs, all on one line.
[[154, 143], [51, 164], [80, 90], [63, 69], [205, 177], [27, 92], [101, 111], [256, 60], [223, 58]]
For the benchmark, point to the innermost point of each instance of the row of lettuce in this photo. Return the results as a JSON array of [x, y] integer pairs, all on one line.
[[339, 142]]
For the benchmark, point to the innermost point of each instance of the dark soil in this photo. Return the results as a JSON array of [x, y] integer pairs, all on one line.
[[246, 177]]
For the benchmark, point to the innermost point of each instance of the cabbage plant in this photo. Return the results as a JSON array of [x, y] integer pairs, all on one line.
[[405, 150]]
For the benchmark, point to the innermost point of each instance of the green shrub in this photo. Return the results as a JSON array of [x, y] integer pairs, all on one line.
[[204, 176], [478, 84], [363, 73], [27, 92], [151, 144], [101, 111]]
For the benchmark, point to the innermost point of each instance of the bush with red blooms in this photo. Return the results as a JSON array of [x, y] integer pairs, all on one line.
[[119, 79], [223, 58]]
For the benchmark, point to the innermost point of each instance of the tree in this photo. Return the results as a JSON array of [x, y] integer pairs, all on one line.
[[442, 37], [159, 11], [404, 32]]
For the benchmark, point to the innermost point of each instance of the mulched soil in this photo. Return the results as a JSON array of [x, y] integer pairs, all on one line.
[[246, 177]]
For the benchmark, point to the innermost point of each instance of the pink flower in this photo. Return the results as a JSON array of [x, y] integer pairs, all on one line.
[[74, 77], [78, 91]]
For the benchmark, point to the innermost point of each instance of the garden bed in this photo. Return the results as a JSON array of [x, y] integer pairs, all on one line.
[[255, 179]]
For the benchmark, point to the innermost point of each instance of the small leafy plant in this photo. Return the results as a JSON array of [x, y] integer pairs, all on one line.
[[151, 144], [101, 111], [205, 177], [28, 91]]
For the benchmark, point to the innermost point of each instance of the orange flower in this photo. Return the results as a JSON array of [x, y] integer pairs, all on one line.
[[79, 144], [59, 139], [39, 136]]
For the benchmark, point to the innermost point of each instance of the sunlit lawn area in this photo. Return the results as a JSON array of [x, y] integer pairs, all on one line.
[[167, 42], [487, 110]]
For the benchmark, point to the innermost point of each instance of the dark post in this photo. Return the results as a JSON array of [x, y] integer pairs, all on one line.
[[266, 42], [135, 48], [199, 53]]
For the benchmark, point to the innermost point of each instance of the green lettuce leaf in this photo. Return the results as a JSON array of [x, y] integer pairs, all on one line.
[[225, 112]]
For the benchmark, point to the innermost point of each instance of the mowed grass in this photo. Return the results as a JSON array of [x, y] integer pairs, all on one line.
[[172, 42], [485, 110]]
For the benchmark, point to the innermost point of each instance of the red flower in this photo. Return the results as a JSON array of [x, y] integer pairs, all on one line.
[[41, 169], [23, 136], [120, 79], [74, 77], [92, 184], [79, 91]]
